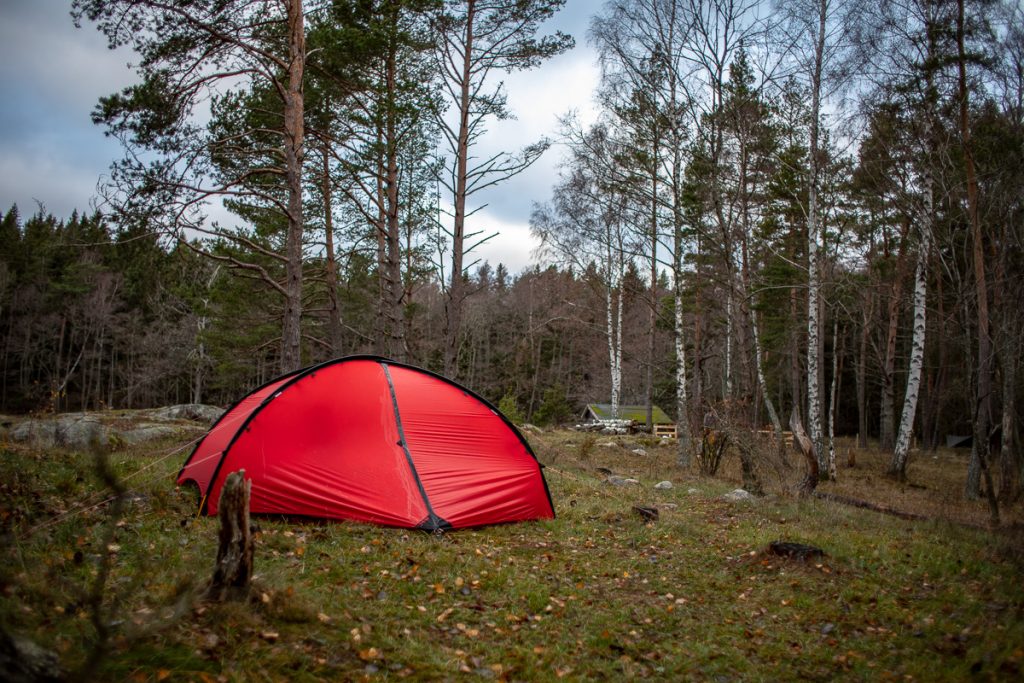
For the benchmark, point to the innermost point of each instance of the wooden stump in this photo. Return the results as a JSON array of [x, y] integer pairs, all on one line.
[[806, 446], [233, 571]]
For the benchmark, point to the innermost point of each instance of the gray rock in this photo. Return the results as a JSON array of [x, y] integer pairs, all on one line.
[[616, 480], [147, 432], [21, 660], [737, 495], [534, 429], [638, 451], [667, 506], [692, 491], [196, 412], [607, 444], [74, 430], [663, 485]]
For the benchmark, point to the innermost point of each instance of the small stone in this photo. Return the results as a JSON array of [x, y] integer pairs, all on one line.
[[692, 491], [638, 451], [607, 444], [737, 496], [667, 506], [616, 480], [827, 629], [663, 485]]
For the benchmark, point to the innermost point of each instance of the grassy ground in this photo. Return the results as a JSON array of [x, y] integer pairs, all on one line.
[[593, 594]]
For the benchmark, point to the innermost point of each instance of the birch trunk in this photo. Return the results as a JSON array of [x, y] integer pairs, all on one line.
[[728, 340], [898, 464], [813, 228], [614, 323], [833, 401]]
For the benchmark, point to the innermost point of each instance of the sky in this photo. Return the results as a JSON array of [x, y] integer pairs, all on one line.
[[52, 75]]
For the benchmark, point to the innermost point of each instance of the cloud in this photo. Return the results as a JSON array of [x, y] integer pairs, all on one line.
[[513, 245], [53, 74]]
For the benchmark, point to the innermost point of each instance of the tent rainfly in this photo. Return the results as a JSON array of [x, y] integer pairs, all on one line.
[[368, 439]]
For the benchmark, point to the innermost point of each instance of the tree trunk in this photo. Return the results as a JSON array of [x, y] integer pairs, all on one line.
[[652, 324], [395, 290], [233, 571], [862, 372], [291, 337], [813, 228], [331, 275], [1009, 460], [983, 392], [833, 401], [806, 446], [898, 464], [456, 287]]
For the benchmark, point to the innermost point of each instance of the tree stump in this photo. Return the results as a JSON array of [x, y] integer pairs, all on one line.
[[233, 571], [795, 551], [806, 446]]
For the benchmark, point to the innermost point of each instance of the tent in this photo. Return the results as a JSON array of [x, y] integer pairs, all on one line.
[[368, 439]]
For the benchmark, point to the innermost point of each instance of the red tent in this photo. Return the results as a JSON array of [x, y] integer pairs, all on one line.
[[368, 439]]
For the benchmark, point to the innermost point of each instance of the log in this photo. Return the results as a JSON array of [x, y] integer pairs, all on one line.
[[233, 571]]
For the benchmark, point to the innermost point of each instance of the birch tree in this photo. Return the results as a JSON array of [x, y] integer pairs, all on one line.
[[819, 33], [585, 225]]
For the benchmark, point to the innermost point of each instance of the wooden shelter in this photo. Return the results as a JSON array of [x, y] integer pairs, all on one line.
[[663, 424]]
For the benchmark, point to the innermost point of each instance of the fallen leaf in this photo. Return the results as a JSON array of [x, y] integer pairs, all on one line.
[[369, 654]]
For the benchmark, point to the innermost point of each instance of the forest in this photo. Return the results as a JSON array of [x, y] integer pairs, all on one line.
[[803, 211]]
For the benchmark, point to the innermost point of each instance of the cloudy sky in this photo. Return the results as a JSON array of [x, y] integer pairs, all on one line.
[[52, 74]]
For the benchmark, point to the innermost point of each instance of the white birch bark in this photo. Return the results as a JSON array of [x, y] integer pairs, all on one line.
[[898, 466], [728, 342], [813, 279], [682, 416], [833, 403], [762, 383], [613, 274]]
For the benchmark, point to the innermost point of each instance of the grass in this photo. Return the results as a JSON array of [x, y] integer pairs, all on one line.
[[593, 594]]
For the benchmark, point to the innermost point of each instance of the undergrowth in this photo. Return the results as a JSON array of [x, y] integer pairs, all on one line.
[[596, 593]]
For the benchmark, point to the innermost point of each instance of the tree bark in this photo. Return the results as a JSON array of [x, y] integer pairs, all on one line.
[[898, 464], [983, 391], [456, 286], [886, 429], [331, 275], [813, 228], [291, 336], [862, 373], [233, 572], [806, 447]]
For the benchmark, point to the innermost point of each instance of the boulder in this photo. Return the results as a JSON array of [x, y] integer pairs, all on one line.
[[147, 432], [76, 431], [738, 495], [196, 412], [663, 485]]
